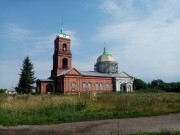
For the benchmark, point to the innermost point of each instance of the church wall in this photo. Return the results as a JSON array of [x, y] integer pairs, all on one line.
[[43, 86], [127, 82], [59, 84], [79, 80]]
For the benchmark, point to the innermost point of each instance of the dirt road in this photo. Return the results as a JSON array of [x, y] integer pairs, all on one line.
[[102, 127]]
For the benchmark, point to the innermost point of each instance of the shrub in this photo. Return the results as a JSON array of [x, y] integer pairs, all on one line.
[[81, 105]]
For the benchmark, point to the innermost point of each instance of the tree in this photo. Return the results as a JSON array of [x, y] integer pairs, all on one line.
[[158, 84], [27, 78], [139, 84], [173, 87]]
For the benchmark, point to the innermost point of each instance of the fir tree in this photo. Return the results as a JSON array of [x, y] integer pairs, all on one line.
[[27, 78]]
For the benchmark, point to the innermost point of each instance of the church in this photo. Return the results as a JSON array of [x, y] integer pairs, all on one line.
[[66, 79]]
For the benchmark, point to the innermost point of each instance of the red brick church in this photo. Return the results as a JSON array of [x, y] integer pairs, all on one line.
[[66, 79]]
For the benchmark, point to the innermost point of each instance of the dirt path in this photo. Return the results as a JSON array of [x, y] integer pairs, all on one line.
[[102, 127]]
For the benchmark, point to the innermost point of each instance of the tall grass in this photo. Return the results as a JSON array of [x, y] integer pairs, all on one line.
[[47, 109]]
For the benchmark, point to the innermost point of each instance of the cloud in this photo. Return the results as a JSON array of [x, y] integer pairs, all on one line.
[[127, 9], [17, 33], [145, 47], [74, 39]]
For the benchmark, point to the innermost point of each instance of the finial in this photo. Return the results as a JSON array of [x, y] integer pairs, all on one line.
[[105, 51]]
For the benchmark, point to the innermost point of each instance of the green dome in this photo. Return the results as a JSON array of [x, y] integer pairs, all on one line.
[[63, 35]]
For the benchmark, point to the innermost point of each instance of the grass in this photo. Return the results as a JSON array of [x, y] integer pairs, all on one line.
[[48, 109], [162, 132]]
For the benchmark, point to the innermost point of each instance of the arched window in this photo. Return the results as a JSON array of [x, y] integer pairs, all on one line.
[[84, 86], [49, 88], [89, 86], [101, 86], [73, 85], [64, 47], [96, 86], [111, 87], [107, 86], [65, 63]]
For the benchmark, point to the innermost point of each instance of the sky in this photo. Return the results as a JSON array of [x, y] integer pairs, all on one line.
[[142, 35]]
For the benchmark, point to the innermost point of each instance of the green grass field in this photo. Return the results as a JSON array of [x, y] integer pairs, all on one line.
[[48, 109]]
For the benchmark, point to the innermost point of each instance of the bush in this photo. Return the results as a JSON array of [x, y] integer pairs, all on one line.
[[81, 105]]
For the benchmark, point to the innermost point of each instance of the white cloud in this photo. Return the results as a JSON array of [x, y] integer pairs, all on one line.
[[111, 7], [149, 46], [17, 33], [74, 39], [75, 42]]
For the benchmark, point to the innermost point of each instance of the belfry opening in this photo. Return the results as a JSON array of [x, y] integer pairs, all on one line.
[[65, 63]]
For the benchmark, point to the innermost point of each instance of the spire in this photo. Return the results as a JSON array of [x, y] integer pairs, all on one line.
[[105, 51], [62, 31]]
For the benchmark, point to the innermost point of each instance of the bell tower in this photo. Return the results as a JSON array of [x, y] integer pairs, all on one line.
[[62, 58]]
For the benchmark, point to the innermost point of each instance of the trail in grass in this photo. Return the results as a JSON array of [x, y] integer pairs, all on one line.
[[102, 127]]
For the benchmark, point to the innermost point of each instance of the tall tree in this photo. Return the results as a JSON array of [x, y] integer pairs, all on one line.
[[27, 78], [139, 84], [158, 84]]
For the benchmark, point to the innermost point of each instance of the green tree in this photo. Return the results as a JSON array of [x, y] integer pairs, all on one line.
[[173, 87], [27, 78], [139, 84], [158, 84]]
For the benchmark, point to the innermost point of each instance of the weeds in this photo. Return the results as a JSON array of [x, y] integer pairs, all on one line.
[[46, 109]]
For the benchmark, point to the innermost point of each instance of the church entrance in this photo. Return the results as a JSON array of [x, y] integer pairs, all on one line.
[[123, 87], [49, 88]]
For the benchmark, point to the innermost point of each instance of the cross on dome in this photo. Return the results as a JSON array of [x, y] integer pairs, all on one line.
[[62, 33]]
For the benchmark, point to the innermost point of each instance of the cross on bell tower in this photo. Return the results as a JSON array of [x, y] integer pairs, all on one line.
[[62, 58]]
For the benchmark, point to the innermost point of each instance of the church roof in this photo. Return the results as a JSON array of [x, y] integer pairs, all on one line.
[[65, 72], [122, 75], [86, 73], [94, 73]]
